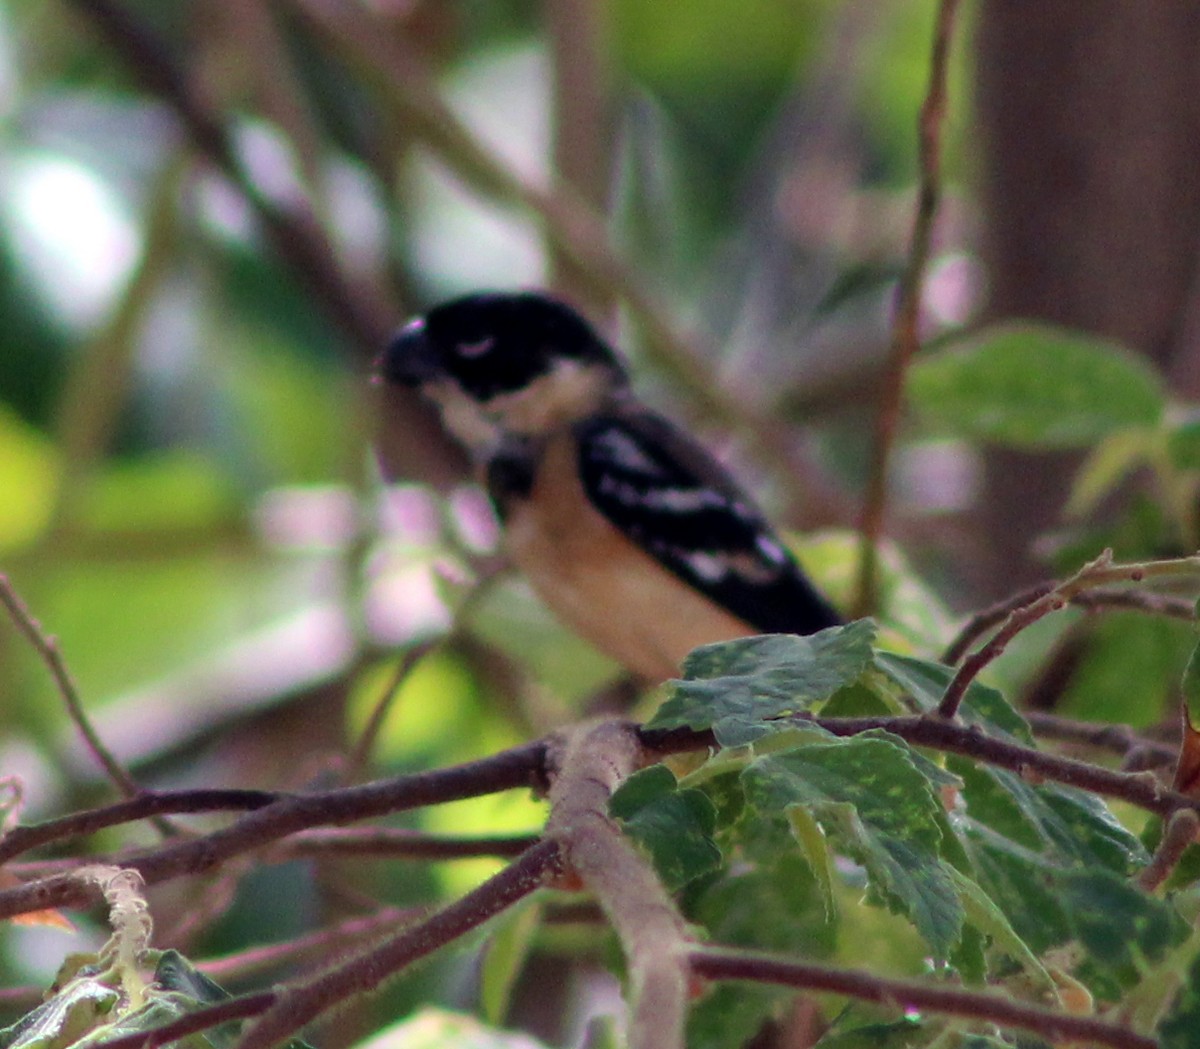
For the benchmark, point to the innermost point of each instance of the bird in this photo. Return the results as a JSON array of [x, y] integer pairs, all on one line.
[[628, 529]]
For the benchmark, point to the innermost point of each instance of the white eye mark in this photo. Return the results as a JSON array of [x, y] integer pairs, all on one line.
[[472, 350], [417, 324]]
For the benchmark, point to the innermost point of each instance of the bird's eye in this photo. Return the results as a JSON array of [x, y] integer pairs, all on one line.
[[472, 350]]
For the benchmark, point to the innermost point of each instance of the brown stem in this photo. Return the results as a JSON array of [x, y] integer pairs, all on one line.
[[519, 767], [146, 806], [1094, 600], [906, 338], [47, 649], [399, 843], [299, 1004], [201, 1020], [1140, 789], [717, 964], [320, 945], [1096, 574], [1120, 739], [1180, 832]]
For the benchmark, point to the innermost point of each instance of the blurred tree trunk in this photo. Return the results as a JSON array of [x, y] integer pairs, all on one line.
[[1090, 119]]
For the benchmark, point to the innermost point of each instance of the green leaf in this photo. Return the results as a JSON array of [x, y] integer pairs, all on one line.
[[731, 1015], [770, 903], [1183, 442], [736, 687], [1032, 386], [897, 1035], [1065, 826], [983, 913], [1189, 687], [815, 847], [1180, 1028], [1129, 666], [1106, 466], [675, 826], [513, 933], [81, 1006], [879, 808], [1121, 928], [927, 681]]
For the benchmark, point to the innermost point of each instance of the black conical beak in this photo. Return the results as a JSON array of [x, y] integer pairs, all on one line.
[[410, 358]]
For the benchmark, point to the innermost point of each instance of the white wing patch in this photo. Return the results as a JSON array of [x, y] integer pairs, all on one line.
[[771, 550], [623, 451], [671, 500], [709, 567]]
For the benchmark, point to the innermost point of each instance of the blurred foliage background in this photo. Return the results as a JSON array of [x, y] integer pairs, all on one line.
[[212, 213]]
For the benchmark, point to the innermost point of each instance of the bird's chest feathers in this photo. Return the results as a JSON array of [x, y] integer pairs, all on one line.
[[597, 580]]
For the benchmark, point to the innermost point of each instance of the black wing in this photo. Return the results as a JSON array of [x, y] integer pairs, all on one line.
[[679, 505]]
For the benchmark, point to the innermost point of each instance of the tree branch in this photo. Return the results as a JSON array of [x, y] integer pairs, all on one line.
[[1097, 573], [592, 762], [717, 964], [1134, 600], [398, 843], [298, 1004], [519, 767]]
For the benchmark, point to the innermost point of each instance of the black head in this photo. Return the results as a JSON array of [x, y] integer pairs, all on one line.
[[494, 343]]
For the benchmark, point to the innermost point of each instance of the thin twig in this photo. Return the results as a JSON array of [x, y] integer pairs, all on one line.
[[518, 767], [352, 933], [399, 843], [210, 1016], [981, 622], [1098, 573], [360, 755], [593, 762], [146, 806], [1180, 832], [47, 649], [1166, 605], [298, 1004], [718, 964], [1120, 739], [906, 339]]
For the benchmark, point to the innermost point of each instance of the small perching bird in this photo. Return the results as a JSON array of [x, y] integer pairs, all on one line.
[[629, 530]]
